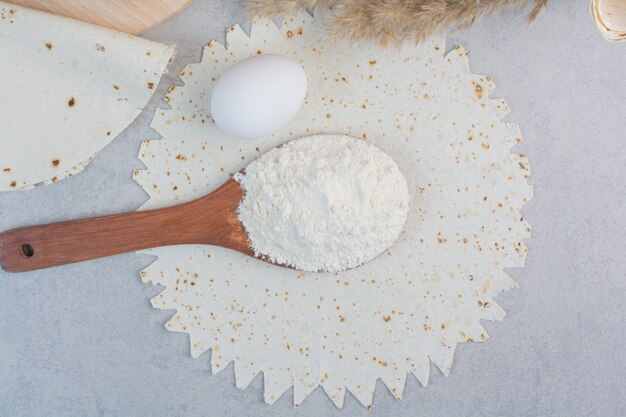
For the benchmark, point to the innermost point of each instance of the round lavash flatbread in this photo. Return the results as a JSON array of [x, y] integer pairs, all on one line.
[[67, 88], [390, 317]]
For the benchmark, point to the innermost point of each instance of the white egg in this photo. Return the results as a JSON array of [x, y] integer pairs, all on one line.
[[258, 96]]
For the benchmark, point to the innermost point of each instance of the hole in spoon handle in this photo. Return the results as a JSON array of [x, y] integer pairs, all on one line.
[[27, 250]]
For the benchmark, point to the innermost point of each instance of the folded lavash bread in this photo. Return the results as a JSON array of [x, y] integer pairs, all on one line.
[[67, 88]]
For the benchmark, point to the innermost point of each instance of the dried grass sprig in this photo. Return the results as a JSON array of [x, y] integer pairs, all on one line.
[[389, 22], [537, 8]]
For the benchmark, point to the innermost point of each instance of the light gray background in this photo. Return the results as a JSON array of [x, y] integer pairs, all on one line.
[[82, 340]]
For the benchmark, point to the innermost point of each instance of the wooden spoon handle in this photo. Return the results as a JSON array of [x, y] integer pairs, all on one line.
[[37, 247], [210, 220]]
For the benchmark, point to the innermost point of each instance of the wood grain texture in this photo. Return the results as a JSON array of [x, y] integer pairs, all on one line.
[[130, 16], [210, 220]]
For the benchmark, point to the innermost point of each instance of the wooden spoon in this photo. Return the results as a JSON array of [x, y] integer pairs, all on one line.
[[210, 220]]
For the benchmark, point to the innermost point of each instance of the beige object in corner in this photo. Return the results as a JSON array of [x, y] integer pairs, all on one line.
[[126, 16], [610, 17]]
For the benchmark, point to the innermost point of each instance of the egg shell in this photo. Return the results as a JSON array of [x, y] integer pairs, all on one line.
[[258, 95]]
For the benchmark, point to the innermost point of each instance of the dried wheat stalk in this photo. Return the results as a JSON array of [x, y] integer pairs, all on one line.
[[389, 22]]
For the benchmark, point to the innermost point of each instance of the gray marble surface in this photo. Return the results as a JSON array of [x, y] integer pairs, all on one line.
[[82, 340]]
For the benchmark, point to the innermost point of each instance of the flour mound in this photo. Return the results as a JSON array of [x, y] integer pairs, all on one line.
[[323, 203]]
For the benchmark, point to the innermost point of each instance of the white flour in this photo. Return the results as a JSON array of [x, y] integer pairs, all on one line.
[[323, 203]]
